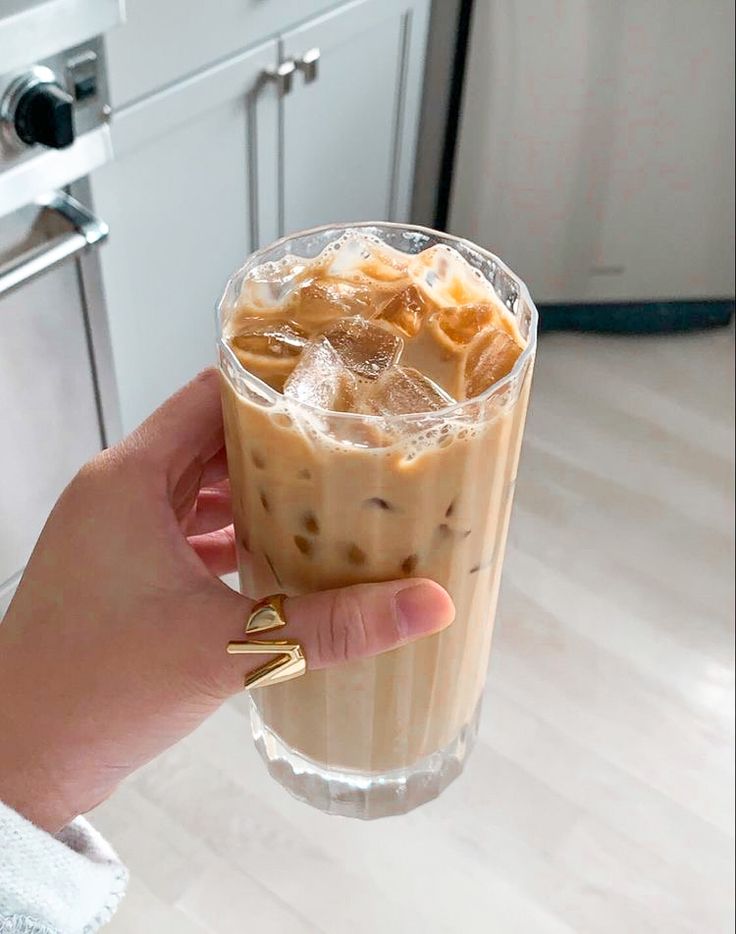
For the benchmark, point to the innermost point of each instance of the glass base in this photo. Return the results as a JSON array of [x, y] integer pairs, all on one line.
[[359, 794]]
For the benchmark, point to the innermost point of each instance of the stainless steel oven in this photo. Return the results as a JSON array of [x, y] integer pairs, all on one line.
[[58, 403]]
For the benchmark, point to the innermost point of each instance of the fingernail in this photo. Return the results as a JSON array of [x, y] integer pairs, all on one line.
[[421, 609]]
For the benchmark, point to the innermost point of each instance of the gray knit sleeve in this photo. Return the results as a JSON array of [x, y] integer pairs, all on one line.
[[70, 883]]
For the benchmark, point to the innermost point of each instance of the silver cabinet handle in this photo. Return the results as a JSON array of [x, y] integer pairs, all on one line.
[[282, 75], [87, 231], [308, 64]]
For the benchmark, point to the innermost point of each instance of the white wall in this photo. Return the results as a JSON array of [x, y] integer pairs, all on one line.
[[596, 146]]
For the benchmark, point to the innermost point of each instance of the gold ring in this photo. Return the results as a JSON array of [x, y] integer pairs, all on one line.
[[289, 663]]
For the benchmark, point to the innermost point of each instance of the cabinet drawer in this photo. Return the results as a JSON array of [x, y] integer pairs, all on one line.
[[165, 40]]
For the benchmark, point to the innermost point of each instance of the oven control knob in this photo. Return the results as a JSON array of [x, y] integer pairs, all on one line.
[[44, 115]]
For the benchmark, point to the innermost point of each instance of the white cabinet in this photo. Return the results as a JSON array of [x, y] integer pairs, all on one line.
[[164, 41], [213, 165], [350, 132], [191, 189]]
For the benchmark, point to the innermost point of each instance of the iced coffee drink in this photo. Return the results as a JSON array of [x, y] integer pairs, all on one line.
[[375, 383]]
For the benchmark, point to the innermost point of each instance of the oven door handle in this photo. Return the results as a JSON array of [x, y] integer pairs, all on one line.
[[87, 232]]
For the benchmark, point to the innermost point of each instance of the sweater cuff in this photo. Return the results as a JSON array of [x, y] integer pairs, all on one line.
[[70, 883]]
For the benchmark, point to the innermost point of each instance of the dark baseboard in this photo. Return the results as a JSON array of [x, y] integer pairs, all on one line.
[[636, 317]]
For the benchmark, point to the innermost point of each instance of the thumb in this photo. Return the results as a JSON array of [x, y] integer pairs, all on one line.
[[337, 626]]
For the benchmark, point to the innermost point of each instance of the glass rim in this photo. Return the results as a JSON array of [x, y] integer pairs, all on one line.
[[456, 408]]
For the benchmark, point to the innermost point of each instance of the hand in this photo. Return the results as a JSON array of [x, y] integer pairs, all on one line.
[[114, 645]]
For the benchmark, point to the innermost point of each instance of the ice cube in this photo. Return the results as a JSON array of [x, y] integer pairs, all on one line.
[[269, 349], [446, 279], [365, 348], [270, 285], [456, 327], [404, 311], [323, 300], [401, 390], [490, 357], [321, 379], [358, 257], [269, 338]]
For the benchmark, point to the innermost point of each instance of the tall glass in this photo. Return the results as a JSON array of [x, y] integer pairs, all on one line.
[[323, 500]]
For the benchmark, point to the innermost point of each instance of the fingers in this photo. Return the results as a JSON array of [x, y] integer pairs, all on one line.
[[183, 436], [216, 550], [212, 511], [215, 470], [337, 626]]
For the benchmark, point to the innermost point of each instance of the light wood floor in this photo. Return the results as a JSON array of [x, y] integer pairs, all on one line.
[[600, 796]]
